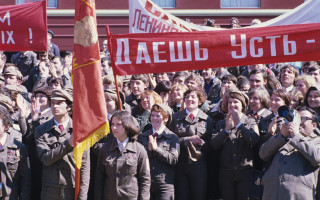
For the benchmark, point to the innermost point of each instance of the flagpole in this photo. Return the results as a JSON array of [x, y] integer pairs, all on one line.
[[77, 183], [113, 64]]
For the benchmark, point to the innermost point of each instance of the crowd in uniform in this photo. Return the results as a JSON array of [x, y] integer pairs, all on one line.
[[204, 134]]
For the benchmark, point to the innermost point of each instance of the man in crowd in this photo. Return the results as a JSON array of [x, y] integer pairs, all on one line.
[[257, 78], [54, 142], [295, 155], [212, 84]]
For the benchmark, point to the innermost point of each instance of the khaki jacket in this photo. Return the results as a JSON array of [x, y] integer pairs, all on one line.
[[57, 158], [122, 175]]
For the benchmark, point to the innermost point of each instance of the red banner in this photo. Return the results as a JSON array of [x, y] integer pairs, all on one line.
[[23, 27], [164, 52]]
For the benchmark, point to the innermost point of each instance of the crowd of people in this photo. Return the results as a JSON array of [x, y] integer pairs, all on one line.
[[204, 134]]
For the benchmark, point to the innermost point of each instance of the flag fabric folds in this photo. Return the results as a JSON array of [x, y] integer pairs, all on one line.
[[89, 108]]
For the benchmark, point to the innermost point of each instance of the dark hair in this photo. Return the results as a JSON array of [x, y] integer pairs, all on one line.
[[229, 77], [141, 77], [272, 82], [129, 124], [60, 58], [202, 96], [183, 73], [312, 88], [262, 94], [283, 94], [5, 116], [67, 53], [241, 81], [163, 86], [290, 67], [313, 68], [313, 113], [157, 108], [259, 71], [54, 80]]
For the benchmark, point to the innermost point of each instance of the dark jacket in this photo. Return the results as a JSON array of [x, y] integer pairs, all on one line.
[[184, 128], [122, 175], [15, 172], [213, 94], [236, 147], [163, 159], [57, 158]]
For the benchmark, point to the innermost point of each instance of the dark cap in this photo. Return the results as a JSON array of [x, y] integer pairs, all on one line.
[[6, 103], [12, 71], [44, 90], [51, 33], [61, 95]]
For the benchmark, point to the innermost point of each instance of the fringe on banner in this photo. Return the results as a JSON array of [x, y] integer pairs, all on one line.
[[89, 142]]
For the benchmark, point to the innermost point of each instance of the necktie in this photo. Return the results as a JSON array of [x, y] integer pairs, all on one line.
[[155, 135], [191, 116], [61, 127]]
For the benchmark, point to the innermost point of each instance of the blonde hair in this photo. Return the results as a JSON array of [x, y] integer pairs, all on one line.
[[307, 80], [156, 97]]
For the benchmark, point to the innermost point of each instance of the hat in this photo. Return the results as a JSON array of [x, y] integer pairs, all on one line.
[[12, 71], [13, 88], [241, 97], [6, 103], [61, 95], [51, 33], [44, 89], [114, 92], [168, 110]]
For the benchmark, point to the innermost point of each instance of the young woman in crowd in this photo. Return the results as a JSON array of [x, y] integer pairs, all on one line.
[[193, 127], [312, 99], [259, 102], [177, 92], [163, 147], [142, 113], [297, 99], [235, 136], [123, 170], [163, 89], [304, 82]]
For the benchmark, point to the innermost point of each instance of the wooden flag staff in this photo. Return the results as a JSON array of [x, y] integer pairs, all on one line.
[[112, 65]]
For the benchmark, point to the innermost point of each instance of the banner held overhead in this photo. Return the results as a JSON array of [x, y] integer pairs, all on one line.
[[164, 52]]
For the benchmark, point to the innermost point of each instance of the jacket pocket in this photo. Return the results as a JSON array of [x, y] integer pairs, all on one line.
[[131, 166]]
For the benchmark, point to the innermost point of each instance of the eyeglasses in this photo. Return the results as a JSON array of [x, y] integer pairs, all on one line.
[[304, 119]]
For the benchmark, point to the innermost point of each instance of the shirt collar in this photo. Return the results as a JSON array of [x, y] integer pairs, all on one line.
[[195, 112], [159, 131], [45, 111], [64, 124], [288, 89], [260, 111], [124, 143]]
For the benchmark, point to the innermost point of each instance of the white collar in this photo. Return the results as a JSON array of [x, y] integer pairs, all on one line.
[[64, 124], [195, 112], [161, 129], [288, 89], [123, 144], [4, 139], [45, 110], [260, 111]]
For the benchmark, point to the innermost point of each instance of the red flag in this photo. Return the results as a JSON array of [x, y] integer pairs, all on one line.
[[89, 107], [142, 53], [23, 27]]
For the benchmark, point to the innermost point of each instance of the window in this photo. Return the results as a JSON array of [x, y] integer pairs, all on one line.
[[240, 3], [165, 3], [50, 3]]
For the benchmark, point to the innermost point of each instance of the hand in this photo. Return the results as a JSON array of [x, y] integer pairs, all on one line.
[[21, 105], [43, 69], [273, 126], [284, 130], [152, 143], [35, 109], [229, 122], [195, 139], [278, 86], [292, 129], [236, 116], [70, 140]]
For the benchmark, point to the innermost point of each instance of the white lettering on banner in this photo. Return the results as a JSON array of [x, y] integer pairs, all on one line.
[[156, 52], [184, 54], [197, 51], [273, 44], [286, 45], [180, 52], [126, 52], [6, 16], [253, 49], [9, 37], [243, 46], [143, 53], [289, 47]]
